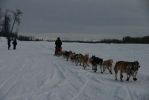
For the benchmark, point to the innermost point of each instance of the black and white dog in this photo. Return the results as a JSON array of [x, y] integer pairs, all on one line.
[[95, 61]]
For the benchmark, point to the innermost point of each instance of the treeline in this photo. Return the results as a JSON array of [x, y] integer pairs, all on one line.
[[110, 41], [24, 38], [128, 39], [28, 38], [20, 37]]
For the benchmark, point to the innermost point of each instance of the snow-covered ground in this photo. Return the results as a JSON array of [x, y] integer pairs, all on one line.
[[32, 73]]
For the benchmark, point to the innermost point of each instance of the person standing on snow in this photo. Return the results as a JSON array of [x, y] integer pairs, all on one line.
[[14, 43], [58, 46], [9, 42]]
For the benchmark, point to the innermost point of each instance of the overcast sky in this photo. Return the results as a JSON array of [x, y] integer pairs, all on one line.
[[81, 16]]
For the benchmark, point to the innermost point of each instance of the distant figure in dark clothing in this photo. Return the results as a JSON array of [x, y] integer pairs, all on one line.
[[58, 46], [9, 42], [14, 43]]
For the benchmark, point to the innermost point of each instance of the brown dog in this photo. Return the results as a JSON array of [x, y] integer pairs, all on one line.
[[72, 56], [78, 59], [85, 60], [130, 68], [107, 64], [66, 54]]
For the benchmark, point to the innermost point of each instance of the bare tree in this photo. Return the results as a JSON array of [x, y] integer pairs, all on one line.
[[6, 23], [8, 20], [17, 18], [0, 20]]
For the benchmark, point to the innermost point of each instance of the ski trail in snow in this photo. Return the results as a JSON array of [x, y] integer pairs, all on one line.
[[7, 81], [14, 74], [132, 94], [116, 93], [55, 79], [80, 91]]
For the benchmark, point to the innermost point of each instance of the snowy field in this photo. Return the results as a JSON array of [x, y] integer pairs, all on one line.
[[32, 73]]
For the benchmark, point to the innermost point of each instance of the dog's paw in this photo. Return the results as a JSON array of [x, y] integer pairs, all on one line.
[[135, 79]]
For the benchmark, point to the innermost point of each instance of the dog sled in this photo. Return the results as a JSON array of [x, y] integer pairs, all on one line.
[[58, 51]]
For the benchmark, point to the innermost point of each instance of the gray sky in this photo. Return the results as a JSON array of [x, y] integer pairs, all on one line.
[[82, 16]]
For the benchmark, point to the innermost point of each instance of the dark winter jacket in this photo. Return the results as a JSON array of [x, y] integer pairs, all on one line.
[[58, 43], [14, 42], [9, 41]]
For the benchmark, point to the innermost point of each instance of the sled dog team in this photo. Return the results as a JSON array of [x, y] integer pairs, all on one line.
[[129, 68]]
